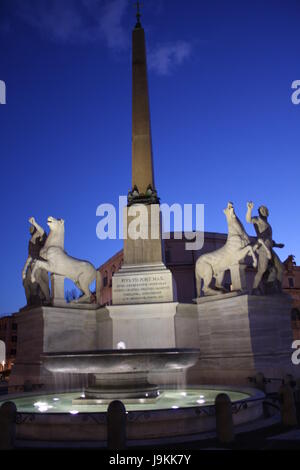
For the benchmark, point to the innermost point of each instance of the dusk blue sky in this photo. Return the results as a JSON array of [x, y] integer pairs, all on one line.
[[223, 123]]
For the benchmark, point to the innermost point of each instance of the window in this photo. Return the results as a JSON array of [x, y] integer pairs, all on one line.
[[13, 352], [291, 282], [105, 279], [113, 270], [14, 339], [295, 315], [14, 326]]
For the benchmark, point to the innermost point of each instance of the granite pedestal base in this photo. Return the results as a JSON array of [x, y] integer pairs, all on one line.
[[240, 335], [141, 326], [85, 328], [51, 329]]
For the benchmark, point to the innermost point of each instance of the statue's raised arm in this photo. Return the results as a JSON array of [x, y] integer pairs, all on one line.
[[37, 291], [249, 217], [38, 228]]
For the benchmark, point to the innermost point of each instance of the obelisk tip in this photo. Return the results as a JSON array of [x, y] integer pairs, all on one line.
[[138, 15]]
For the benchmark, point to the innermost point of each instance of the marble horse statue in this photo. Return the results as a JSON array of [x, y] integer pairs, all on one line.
[[55, 260], [213, 265]]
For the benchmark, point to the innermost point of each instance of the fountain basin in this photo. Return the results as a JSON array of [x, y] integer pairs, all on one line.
[[179, 415], [121, 373]]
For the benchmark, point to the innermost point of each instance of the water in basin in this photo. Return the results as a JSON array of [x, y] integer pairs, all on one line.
[[168, 399]]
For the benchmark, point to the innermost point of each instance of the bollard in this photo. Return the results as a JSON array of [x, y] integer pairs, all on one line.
[[224, 421], [28, 387], [116, 426], [287, 406], [8, 412], [297, 399], [289, 380], [260, 381]]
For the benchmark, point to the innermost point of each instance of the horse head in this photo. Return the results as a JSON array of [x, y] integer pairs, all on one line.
[[57, 232], [229, 212], [55, 224], [235, 226]]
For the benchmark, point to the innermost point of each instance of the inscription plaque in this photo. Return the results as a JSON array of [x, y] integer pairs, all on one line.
[[142, 288]]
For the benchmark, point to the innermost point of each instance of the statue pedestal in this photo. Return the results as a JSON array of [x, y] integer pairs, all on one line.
[[51, 329], [143, 278], [142, 326], [88, 328], [240, 335]]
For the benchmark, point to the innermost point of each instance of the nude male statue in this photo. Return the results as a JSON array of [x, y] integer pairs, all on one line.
[[38, 291], [268, 271]]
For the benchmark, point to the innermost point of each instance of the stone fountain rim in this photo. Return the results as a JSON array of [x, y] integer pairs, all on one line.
[[123, 352]]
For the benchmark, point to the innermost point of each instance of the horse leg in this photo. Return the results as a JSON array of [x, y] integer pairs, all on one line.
[[207, 275], [198, 285], [219, 279], [248, 250], [261, 243], [42, 279], [39, 264], [83, 283]]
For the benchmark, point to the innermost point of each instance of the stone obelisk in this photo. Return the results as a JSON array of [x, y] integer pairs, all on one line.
[[143, 277], [142, 160]]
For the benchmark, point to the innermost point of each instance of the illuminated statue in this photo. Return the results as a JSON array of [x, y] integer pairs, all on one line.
[[37, 291], [55, 260], [214, 264], [269, 271]]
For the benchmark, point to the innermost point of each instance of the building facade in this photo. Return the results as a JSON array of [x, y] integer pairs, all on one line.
[[291, 285], [9, 335]]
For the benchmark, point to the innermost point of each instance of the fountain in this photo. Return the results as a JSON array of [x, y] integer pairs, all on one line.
[[154, 334], [123, 373]]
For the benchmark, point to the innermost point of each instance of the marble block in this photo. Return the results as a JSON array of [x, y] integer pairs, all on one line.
[[142, 326], [244, 334], [145, 246], [142, 284], [50, 329], [238, 336]]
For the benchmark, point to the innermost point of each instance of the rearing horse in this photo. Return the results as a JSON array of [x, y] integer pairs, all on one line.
[[55, 260], [237, 247]]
